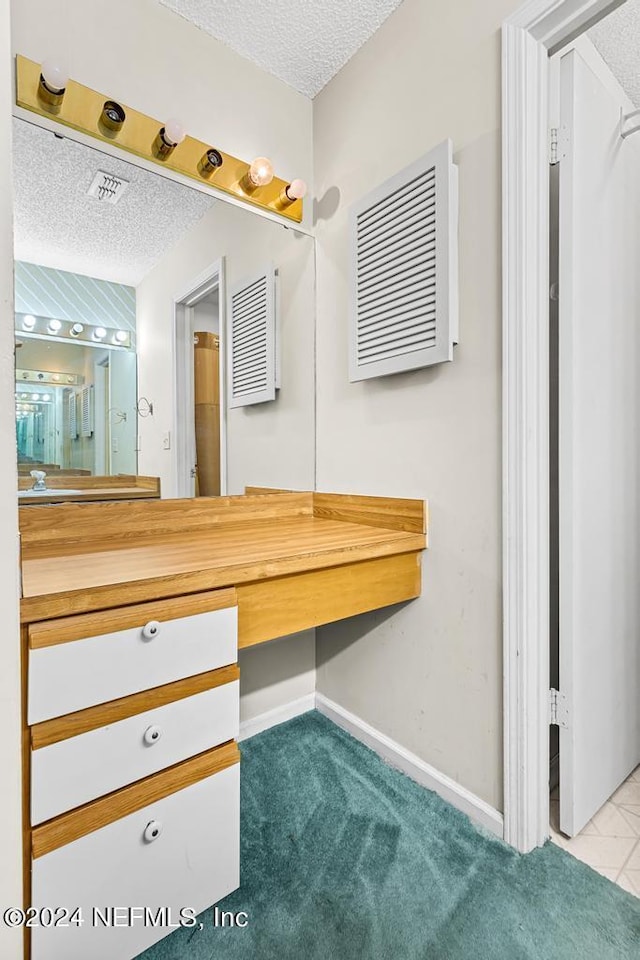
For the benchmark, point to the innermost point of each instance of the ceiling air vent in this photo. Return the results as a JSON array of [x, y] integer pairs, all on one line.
[[404, 303], [107, 188]]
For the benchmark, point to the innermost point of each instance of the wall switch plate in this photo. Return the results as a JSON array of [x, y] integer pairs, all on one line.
[[166, 440], [115, 445]]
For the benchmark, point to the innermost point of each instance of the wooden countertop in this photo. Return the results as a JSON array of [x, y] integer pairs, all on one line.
[[80, 496], [75, 561], [88, 488]]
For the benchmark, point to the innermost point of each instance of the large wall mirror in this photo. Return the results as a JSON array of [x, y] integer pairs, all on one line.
[[124, 283]]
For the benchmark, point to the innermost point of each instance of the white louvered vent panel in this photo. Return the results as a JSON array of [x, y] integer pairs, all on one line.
[[404, 270], [86, 407], [253, 350], [72, 415]]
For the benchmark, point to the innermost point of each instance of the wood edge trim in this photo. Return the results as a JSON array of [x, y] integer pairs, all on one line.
[[164, 516], [48, 732], [348, 507], [50, 633], [114, 806]]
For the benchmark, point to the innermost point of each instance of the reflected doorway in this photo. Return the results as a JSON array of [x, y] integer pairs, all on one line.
[[200, 424]]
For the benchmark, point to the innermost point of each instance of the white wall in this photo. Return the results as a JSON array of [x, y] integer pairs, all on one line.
[[148, 57], [10, 722], [270, 444], [428, 675]]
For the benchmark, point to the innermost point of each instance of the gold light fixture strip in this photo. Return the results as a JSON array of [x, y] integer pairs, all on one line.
[[93, 113]]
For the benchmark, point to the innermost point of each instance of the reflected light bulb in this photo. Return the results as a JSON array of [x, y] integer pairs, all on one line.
[[99, 333], [53, 326], [174, 132], [296, 190], [261, 172], [120, 336], [55, 74], [28, 322], [46, 397]]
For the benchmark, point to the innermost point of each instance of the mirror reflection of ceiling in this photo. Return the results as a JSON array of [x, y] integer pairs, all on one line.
[[617, 40], [58, 225], [304, 44], [46, 292]]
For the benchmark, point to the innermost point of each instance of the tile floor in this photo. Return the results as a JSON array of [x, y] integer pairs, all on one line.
[[610, 843]]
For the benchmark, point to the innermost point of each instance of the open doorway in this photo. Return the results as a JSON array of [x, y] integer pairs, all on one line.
[[594, 376], [200, 431]]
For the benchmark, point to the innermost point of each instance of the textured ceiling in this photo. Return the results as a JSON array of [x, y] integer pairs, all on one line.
[[303, 42], [58, 225], [617, 39]]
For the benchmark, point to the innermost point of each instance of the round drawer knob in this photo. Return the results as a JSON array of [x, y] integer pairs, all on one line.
[[151, 630], [152, 734], [152, 830]]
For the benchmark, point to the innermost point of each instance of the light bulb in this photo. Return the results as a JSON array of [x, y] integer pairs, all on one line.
[[120, 336], [296, 190], [34, 396], [56, 377], [99, 333], [53, 326], [76, 330], [55, 74], [261, 172], [28, 322], [24, 396], [46, 397], [174, 132]]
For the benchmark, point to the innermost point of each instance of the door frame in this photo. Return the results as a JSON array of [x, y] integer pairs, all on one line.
[[197, 289], [534, 32]]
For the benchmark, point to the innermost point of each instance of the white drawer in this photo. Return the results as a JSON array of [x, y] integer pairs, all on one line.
[[65, 677], [194, 862], [74, 771]]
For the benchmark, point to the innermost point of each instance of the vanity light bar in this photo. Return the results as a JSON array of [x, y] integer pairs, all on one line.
[[48, 328], [56, 379], [164, 143]]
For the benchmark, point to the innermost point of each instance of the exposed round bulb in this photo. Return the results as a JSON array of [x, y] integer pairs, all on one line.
[[261, 172], [54, 73], [46, 397], [24, 396], [34, 396], [174, 131], [120, 336], [99, 333], [76, 329], [53, 326], [296, 190], [28, 322]]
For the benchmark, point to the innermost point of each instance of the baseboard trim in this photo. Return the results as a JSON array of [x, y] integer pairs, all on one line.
[[271, 718], [423, 773]]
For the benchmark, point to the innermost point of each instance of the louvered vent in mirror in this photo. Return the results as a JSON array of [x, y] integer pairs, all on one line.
[[404, 304], [72, 415], [86, 407], [252, 335]]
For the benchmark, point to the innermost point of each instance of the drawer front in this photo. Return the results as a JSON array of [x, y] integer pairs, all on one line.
[[193, 862], [66, 677], [71, 772]]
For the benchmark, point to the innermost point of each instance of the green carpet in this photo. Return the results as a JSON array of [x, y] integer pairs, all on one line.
[[344, 858]]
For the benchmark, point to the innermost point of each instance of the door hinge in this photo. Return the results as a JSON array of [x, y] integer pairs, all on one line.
[[558, 709], [558, 143]]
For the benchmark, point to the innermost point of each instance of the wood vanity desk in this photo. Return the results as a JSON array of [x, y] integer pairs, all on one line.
[[87, 487], [132, 615]]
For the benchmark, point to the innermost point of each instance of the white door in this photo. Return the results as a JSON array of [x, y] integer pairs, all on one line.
[[599, 441]]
